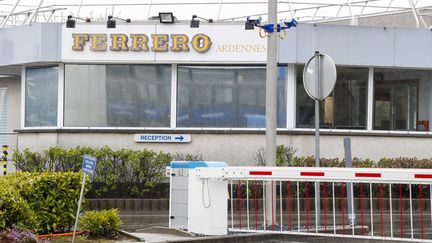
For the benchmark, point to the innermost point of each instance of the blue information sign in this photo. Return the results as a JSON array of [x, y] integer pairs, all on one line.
[[89, 164]]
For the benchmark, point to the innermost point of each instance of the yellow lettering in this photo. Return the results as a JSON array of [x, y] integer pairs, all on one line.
[[160, 42], [139, 42], [201, 43], [119, 42], [179, 42], [79, 41], [98, 42]]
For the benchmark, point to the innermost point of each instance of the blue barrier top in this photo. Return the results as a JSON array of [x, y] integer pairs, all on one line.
[[195, 164]]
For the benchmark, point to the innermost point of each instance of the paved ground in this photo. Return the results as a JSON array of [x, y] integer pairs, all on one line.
[[135, 220]]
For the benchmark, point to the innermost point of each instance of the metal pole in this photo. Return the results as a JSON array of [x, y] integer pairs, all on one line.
[[79, 207], [271, 80], [3, 23], [5, 154], [317, 142], [348, 164], [34, 14]]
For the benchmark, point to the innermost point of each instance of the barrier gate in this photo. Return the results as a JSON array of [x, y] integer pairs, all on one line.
[[390, 204]]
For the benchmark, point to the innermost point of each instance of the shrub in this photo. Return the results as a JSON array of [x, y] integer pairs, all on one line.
[[104, 223], [17, 234], [285, 156], [52, 198], [119, 173], [14, 209]]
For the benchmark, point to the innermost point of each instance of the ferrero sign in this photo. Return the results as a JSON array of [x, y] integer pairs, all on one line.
[[200, 43]]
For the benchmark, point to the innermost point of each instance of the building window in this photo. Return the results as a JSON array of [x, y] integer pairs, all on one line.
[[41, 97], [402, 99], [117, 95], [346, 106], [222, 96]]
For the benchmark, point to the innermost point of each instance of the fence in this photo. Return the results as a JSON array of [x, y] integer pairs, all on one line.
[[390, 204]]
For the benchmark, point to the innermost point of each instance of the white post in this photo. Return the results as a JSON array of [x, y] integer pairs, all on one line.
[[317, 136], [271, 115], [79, 207]]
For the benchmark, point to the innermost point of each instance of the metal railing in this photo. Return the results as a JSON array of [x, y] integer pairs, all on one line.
[[389, 204]]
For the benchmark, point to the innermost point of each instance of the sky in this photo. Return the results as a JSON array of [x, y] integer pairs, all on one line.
[[222, 10]]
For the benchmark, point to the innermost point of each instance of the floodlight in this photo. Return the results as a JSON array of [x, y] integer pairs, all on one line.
[[111, 23], [166, 18], [70, 22], [195, 21], [251, 23]]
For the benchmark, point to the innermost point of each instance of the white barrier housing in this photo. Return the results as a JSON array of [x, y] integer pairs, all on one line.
[[198, 205], [199, 193]]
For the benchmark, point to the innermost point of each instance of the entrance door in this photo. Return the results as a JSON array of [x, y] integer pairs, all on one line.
[[396, 105]]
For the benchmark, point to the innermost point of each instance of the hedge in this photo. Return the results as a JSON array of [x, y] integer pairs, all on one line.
[[119, 173], [14, 209], [44, 202], [285, 156], [104, 223]]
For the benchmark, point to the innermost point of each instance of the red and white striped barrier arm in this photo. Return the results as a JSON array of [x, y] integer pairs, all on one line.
[[423, 176]]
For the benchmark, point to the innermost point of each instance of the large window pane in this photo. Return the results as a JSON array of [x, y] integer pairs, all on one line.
[[226, 97], [402, 99], [41, 95], [117, 95], [346, 106]]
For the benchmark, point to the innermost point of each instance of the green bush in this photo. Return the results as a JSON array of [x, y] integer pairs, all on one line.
[[104, 223], [118, 172], [285, 156], [51, 198], [14, 209]]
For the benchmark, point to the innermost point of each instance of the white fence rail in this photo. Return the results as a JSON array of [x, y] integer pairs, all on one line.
[[390, 204]]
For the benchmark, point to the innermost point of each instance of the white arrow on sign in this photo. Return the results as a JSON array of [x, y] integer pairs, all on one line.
[[162, 138]]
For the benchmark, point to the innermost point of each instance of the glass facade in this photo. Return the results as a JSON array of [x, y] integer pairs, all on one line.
[[223, 96], [41, 97], [117, 95], [402, 99], [345, 108], [134, 96]]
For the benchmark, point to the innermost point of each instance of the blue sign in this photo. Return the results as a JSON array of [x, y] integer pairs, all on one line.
[[89, 164], [162, 138]]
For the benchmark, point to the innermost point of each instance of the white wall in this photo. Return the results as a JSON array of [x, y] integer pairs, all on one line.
[[240, 149], [13, 86]]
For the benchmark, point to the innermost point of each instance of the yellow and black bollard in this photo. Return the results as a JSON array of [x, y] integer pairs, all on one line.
[[5, 154]]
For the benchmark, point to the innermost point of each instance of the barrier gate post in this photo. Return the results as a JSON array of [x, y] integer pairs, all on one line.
[[5, 154], [198, 204]]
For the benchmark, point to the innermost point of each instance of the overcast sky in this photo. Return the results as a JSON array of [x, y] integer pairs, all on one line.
[[141, 9]]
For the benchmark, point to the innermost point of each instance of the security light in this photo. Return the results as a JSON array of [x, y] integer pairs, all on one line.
[[195, 21], [70, 22], [166, 18], [111, 23], [251, 23]]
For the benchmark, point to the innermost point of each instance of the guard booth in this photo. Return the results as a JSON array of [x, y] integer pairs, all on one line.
[[196, 203]]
